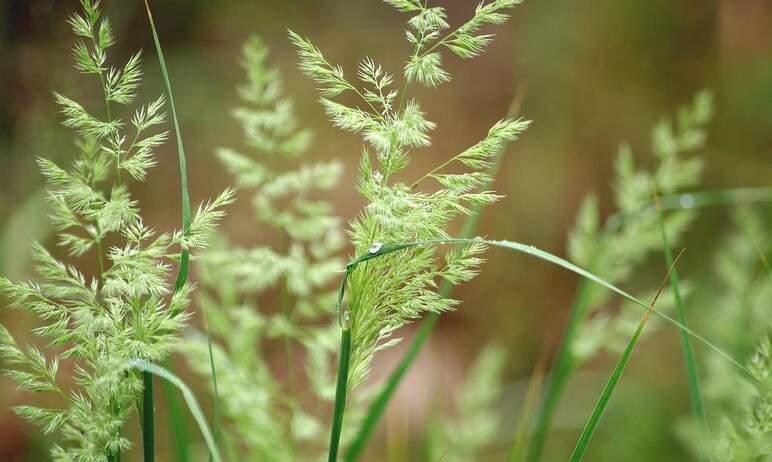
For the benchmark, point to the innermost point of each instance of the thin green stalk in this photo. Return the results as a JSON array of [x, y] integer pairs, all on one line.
[[340, 393], [379, 404], [148, 424], [613, 381], [215, 410], [344, 360], [695, 394], [561, 371], [176, 421], [189, 398]]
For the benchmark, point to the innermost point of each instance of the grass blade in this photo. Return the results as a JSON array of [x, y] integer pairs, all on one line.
[[613, 381], [565, 264], [190, 400], [562, 369], [381, 401], [605, 397], [550, 258], [176, 422], [182, 274], [560, 373], [695, 394]]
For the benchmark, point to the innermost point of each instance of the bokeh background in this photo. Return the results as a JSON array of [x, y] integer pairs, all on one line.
[[595, 73]]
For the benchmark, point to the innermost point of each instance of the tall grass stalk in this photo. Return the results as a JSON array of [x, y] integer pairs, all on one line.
[[690, 363], [176, 421], [468, 230], [608, 389]]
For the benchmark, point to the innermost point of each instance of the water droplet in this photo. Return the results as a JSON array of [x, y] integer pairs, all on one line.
[[345, 319], [687, 201], [375, 248]]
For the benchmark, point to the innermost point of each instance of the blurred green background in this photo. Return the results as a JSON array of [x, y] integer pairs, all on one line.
[[596, 73]]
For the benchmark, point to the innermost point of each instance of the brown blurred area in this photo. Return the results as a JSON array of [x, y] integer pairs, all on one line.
[[597, 73]]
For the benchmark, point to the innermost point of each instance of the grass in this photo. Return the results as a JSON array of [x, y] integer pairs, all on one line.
[[563, 363], [608, 390], [190, 400], [690, 362], [539, 254], [462, 42], [468, 230], [177, 425]]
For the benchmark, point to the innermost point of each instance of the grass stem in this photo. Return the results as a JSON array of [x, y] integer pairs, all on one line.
[[148, 421], [341, 390], [690, 363]]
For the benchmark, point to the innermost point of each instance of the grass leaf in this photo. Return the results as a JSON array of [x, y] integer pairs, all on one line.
[[690, 362], [608, 389], [190, 400]]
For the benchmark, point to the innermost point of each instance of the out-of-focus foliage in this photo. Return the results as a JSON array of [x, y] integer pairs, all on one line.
[[738, 407], [474, 424], [268, 295], [617, 248]]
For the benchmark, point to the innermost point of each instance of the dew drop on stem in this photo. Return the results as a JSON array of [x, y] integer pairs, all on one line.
[[375, 248]]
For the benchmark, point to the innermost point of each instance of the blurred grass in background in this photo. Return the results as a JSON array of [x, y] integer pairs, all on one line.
[[596, 74]]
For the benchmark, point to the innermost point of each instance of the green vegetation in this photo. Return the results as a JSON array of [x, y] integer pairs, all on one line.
[[291, 330]]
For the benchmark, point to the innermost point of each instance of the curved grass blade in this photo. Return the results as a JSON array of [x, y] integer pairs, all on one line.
[[563, 363], [182, 274], [550, 258], [190, 400], [608, 389], [378, 406], [555, 384], [176, 422]]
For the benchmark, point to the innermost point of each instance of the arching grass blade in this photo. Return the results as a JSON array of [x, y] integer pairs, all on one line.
[[190, 400]]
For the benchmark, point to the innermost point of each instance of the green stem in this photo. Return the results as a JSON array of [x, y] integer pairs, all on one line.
[[148, 423], [340, 393], [561, 371], [695, 394], [176, 421], [177, 424], [100, 280]]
